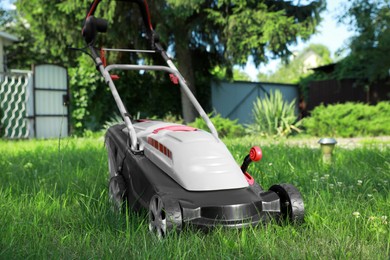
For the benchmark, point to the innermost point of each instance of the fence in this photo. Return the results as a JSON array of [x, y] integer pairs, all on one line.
[[341, 91], [14, 97], [34, 103]]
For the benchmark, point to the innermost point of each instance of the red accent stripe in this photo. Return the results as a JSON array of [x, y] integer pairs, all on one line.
[[148, 14], [176, 128], [160, 147], [92, 10]]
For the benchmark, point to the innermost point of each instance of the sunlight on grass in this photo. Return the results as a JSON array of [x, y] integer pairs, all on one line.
[[54, 205]]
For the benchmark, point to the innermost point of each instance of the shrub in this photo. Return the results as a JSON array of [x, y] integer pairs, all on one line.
[[349, 120], [225, 127], [273, 116], [169, 117]]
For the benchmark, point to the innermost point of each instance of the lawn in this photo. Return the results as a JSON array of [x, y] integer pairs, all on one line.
[[53, 204]]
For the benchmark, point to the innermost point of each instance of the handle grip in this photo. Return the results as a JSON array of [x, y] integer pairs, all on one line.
[[101, 25], [92, 26]]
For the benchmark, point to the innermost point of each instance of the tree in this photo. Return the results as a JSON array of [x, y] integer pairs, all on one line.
[[313, 56], [368, 48], [231, 31], [201, 34]]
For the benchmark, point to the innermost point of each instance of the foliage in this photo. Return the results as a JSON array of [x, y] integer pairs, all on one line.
[[225, 127], [54, 204], [349, 120], [117, 119], [169, 117], [252, 27], [365, 62], [219, 73], [200, 35], [299, 67], [273, 116], [371, 22], [240, 75]]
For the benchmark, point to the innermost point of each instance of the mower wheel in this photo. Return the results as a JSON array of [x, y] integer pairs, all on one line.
[[117, 193], [164, 216], [291, 203]]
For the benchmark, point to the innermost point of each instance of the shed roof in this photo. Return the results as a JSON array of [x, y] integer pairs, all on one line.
[[8, 37]]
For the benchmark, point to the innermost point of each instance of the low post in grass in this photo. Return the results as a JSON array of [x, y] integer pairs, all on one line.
[[327, 146]]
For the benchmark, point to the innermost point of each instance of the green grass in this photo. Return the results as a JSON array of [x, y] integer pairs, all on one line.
[[53, 204]]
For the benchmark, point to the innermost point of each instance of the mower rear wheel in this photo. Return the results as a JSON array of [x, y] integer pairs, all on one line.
[[117, 193], [164, 216], [291, 203]]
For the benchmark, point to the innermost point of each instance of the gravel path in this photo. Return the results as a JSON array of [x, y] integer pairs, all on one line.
[[348, 143]]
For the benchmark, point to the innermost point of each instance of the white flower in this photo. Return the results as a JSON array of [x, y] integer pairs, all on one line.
[[359, 182], [356, 214]]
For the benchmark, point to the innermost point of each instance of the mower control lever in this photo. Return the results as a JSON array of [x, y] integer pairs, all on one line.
[[255, 154]]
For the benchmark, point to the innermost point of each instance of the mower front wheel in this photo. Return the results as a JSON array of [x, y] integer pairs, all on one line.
[[291, 203], [164, 216]]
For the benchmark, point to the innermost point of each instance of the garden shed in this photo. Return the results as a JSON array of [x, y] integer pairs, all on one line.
[[234, 100]]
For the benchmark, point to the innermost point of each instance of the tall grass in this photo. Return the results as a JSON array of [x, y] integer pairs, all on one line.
[[53, 204]]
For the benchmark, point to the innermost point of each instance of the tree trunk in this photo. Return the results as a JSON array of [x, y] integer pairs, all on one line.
[[183, 56]]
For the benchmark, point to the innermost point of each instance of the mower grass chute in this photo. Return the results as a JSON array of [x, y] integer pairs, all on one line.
[[179, 174]]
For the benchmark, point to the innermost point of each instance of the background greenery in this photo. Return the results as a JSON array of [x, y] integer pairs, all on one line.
[[200, 35], [349, 120], [225, 127], [54, 205]]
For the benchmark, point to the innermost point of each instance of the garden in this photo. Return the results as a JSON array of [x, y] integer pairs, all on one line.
[[54, 204], [54, 193]]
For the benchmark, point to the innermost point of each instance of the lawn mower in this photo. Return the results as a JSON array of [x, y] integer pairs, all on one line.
[[181, 175]]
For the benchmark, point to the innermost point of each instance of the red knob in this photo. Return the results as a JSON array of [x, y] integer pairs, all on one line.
[[255, 154]]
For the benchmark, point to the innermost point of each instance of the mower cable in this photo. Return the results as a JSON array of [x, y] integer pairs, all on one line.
[[82, 50]]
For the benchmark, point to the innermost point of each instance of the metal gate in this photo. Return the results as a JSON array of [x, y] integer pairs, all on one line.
[[34, 104], [50, 101]]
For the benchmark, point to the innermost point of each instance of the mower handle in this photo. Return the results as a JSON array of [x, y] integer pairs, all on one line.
[[93, 25]]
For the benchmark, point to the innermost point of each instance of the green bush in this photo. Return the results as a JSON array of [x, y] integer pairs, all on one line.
[[349, 120], [273, 116], [225, 127]]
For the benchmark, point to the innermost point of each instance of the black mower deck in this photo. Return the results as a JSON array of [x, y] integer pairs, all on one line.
[[233, 208]]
